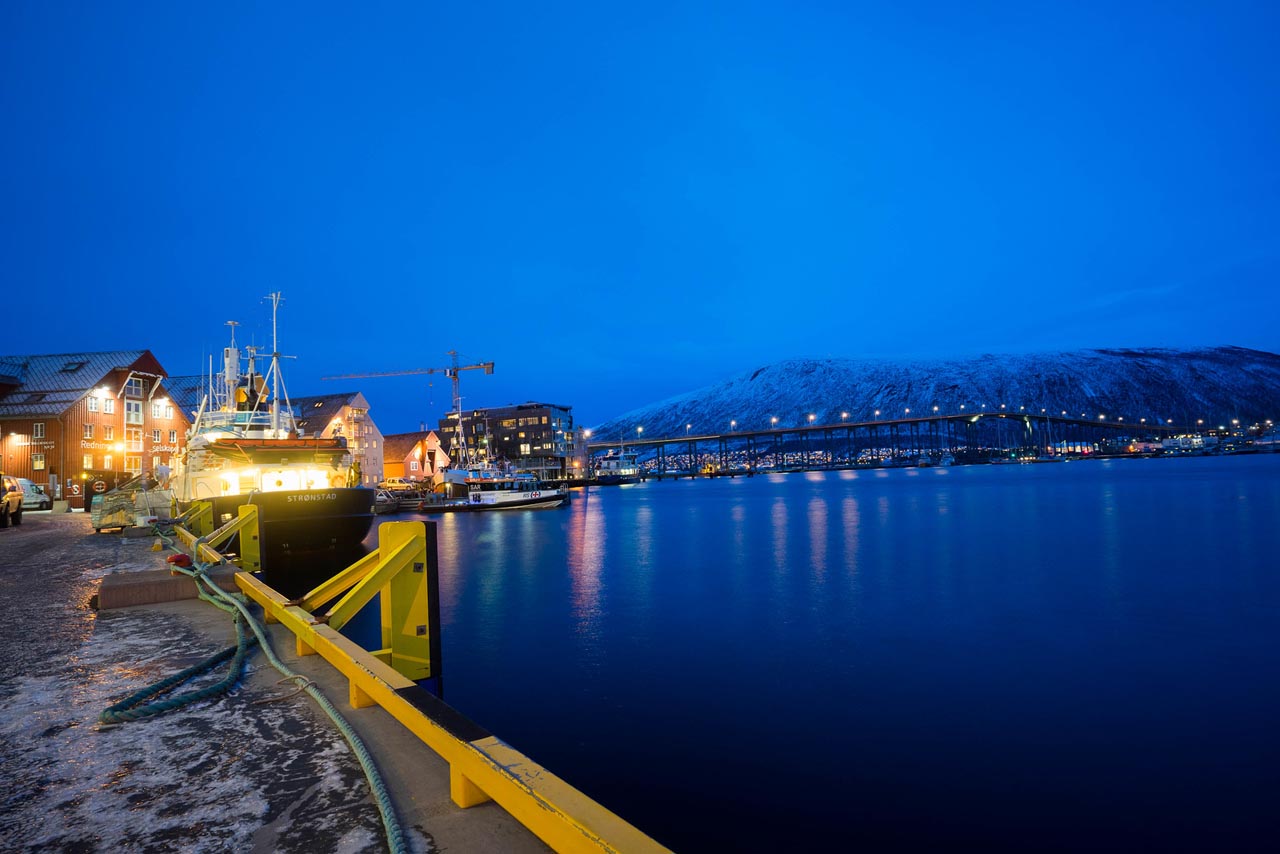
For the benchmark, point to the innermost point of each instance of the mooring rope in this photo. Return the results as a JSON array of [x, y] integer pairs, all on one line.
[[208, 590]]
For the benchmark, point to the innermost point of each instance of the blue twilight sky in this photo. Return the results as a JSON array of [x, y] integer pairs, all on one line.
[[617, 204]]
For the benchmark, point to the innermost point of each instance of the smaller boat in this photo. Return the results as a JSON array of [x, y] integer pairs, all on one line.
[[491, 489], [617, 469], [385, 501]]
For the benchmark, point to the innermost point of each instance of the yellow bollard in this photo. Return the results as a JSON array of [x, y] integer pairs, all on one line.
[[157, 546]]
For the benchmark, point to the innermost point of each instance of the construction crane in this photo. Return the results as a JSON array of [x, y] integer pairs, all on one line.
[[451, 372]]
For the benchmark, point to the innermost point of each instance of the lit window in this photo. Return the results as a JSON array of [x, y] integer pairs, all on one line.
[[106, 462], [108, 432], [173, 436], [37, 430], [88, 431], [37, 462], [86, 462]]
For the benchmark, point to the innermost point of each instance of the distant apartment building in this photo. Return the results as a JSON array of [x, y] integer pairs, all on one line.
[[84, 422], [345, 415], [413, 456], [534, 437]]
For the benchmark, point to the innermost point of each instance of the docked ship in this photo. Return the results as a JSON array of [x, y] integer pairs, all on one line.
[[244, 447], [622, 467]]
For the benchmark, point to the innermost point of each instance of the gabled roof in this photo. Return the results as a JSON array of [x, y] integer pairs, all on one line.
[[315, 412], [49, 385], [397, 446], [186, 392]]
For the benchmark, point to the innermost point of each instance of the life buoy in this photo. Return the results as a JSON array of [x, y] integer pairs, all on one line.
[[99, 486]]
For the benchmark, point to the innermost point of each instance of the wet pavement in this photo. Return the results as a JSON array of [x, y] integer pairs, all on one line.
[[261, 769]]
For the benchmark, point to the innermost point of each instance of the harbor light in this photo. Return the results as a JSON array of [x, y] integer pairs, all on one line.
[[639, 430], [844, 415], [732, 425], [774, 421], [811, 417]]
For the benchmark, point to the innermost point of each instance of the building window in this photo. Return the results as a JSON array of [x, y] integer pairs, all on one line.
[[524, 450], [375, 445], [155, 461], [133, 387], [155, 436], [108, 432], [133, 412], [106, 462], [86, 462], [92, 403], [168, 410], [413, 465], [37, 430], [155, 409], [72, 367], [173, 436], [133, 465], [37, 462], [133, 440], [108, 405], [88, 431]]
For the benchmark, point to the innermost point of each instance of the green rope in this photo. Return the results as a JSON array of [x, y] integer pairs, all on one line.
[[131, 708], [209, 591]]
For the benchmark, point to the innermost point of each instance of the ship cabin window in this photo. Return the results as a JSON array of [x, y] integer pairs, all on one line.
[[133, 387]]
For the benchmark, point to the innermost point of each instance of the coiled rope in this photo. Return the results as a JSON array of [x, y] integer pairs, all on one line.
[[209, 591]]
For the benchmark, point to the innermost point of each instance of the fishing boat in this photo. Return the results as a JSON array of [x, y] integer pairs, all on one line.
[[622, 467], [244, 447]]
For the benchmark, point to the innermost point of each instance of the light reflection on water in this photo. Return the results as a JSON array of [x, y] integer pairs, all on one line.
[[959, 656]]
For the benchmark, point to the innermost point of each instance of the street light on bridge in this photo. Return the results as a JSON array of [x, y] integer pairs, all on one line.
[[773, 421], [811, 417], [732, 425]]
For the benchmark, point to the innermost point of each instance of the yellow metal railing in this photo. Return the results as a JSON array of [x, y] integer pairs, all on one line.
[[196, 532], [481, 767]]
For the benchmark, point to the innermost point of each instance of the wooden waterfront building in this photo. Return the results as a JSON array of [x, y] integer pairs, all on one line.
[[83, 422], [414, 456]]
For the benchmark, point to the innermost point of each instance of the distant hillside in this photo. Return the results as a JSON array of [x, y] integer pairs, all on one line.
[[1214, 384]]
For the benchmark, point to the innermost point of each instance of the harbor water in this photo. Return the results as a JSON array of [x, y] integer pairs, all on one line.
[[1001, 657]]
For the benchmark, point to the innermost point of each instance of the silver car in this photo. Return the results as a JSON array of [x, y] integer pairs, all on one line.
[[33, 496]]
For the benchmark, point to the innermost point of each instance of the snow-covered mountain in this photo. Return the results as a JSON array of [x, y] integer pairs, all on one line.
[[1183, 386]]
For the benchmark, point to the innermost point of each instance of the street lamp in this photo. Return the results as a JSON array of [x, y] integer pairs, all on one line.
[[773, 421], [877, 413], [811, 417], [732, 425], [639, 430], [687, 428], [843, 416]]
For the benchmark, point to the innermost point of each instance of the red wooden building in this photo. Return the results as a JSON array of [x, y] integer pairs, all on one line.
[[83, 422]]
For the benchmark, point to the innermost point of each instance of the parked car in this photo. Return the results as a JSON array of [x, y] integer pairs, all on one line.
[[33, 496], [10, 501], [398, 484]]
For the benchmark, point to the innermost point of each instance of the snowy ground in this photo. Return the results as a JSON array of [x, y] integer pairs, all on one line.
[[227, 774]]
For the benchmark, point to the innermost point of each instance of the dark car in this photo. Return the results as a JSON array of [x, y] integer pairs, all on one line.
[[10, 501]]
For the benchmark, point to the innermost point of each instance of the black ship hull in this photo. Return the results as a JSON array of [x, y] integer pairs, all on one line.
[[304, 523]]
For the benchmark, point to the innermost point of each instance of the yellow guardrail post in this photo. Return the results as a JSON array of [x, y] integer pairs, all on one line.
[[195, 532]]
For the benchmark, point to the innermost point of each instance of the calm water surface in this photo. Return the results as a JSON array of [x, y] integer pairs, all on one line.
[[1047, 656]]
